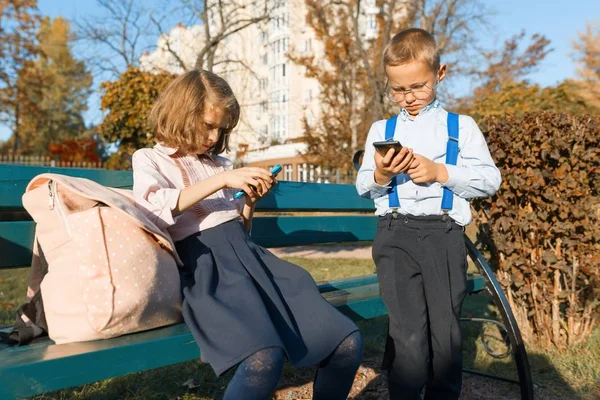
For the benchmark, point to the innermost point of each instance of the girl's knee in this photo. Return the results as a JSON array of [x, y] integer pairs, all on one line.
[[352, 344], [265, 362], [348, 353]]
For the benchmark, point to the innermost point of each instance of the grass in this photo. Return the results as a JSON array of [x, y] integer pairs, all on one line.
[[13, 286], [574, 374]]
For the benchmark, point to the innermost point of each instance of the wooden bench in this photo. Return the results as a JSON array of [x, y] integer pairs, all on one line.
[[43, 366]]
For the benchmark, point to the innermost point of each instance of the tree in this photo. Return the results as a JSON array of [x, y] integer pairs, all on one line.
[[587, 56], [118, 42], [222, 20], [128, 102], [587, 49], [510, 64], [520, 98], [18, 47], [56, 87], [351, 74], [115, 38], [121, 32], [83, 149], [504, 89]]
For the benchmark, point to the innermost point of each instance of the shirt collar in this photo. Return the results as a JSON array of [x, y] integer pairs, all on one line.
[[172, 151], [435, 104]]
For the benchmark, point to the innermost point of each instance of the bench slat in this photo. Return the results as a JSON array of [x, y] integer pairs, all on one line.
[[300, 196], [14, 180], [287, 196], [475, 283], [16, 241], [289, 231], [266, 231]]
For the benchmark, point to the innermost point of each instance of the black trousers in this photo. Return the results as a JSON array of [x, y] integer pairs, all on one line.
[[421, 265]]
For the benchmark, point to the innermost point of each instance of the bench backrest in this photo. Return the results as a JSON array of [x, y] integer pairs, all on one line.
[[294, 213]]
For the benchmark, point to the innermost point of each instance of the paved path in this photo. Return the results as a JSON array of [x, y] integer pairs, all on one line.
[[325, 251]]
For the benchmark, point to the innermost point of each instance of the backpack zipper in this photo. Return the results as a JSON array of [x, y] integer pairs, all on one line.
[[53, 201]]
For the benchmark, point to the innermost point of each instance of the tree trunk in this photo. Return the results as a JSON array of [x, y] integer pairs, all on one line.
[[353, 111], [16, 142]]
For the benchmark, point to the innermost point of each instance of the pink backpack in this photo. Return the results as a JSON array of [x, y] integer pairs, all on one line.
[[104, 269]]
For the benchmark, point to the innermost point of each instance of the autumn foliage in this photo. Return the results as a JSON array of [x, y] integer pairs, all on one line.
[[76, 150], [128, 102], [543, 226]]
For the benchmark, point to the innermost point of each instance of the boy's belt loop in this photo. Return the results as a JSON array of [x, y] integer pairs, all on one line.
[[389, 217]]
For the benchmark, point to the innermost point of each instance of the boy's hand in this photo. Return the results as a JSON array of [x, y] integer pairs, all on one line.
[[392, 164], [423, 170]]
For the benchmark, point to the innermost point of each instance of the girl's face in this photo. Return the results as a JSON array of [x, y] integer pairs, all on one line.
[[214, 120]]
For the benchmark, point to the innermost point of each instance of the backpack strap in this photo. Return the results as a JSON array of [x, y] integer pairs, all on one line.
[[390, 128], [451, 158], [30, 322]]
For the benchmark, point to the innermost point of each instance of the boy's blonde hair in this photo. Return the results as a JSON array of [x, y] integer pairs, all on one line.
[[413, 44], [177, 116]]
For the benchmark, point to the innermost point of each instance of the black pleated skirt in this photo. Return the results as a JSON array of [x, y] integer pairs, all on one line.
[[239, 298]]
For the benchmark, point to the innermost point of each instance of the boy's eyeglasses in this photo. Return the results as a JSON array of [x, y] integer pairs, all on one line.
[[420, 92]]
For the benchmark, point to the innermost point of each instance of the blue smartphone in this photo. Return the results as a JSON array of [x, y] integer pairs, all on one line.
[[274, 171]]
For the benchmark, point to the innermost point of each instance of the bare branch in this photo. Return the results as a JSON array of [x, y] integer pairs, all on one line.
[[168, 44], [115, 37]]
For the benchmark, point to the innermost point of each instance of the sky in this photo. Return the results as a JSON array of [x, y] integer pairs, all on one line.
[[558, 20]]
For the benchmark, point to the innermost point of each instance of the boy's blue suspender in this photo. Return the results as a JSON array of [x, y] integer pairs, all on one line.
[[451, 158], [390, 127]]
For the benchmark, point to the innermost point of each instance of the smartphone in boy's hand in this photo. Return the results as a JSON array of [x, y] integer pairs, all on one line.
[[384, 146]]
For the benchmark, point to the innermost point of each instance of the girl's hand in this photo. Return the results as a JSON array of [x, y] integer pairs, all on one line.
[[256, 182], [423, 170], [392, 164], [259, 191]]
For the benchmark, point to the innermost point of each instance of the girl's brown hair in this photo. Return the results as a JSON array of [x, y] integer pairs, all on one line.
[[412, 44], [176, 118]]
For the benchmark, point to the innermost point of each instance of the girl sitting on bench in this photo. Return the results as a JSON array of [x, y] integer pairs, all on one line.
[[243, 305]]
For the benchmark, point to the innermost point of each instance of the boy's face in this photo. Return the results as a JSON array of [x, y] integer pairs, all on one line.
[[413, 85]]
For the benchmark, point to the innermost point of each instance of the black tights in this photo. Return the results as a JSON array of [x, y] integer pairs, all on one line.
[[256, 377]]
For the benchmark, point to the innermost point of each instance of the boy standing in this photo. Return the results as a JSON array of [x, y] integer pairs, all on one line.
[[422, 194]]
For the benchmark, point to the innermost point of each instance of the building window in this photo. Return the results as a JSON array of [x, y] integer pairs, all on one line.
[[319, 175], [307, 45], [265, 60], [264, 106], [288, 172], [302, 172], [283, 70], [263, 83], [372, 22]]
